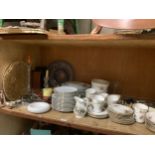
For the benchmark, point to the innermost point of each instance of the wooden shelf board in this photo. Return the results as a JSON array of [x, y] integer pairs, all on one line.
[[81, 39], [105, 126], [87, 37]]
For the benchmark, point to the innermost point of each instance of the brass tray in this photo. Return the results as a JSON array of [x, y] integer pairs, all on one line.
[[21, 30], [15, 80]]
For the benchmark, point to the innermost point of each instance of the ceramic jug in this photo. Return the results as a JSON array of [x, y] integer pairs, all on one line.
[[80, 108]]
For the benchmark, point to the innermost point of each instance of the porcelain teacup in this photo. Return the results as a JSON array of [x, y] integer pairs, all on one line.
[[90, 92], [100, 85], [140, 110], [98, 103]]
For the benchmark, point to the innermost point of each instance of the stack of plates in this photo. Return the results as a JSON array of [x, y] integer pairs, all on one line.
[[80, 86], [63, 98], [150, 121], [121, 114]]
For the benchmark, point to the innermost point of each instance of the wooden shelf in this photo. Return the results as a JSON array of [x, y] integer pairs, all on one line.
[[101, 37], [142, 40], [77, 37], [104, 126]]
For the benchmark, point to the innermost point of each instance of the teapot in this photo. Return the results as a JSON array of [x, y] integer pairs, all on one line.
[[80, 108]]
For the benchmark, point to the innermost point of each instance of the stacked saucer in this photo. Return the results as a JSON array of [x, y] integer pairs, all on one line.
[[150, 121], [99, 115], [80, 86], [63, 98], [121, 114]]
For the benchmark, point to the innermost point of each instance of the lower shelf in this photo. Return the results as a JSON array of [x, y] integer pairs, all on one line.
[[103, 126]]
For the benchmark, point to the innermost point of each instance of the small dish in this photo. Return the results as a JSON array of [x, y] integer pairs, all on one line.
[[38, 107]]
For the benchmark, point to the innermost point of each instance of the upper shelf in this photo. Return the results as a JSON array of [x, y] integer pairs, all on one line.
[[101, 37], [81, 39]]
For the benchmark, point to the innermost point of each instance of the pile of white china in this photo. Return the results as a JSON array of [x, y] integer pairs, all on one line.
[[81, 87], [150, 121], [121, 114], [140, 111], [96, 98], [95, 102], [63, 98]]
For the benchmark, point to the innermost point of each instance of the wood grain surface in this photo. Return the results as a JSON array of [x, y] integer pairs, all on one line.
[[104, 126], [129, 67]]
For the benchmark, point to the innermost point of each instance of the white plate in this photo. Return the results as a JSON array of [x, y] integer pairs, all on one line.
[[38, 107]]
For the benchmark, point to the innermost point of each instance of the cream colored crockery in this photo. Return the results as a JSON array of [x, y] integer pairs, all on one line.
[[140, 107], [80, 108], [100, 85], [113, 98], [90, 92], [98, 103], [140, 110], [151, 116]]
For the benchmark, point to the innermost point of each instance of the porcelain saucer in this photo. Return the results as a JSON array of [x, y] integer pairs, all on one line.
[[103, 114]]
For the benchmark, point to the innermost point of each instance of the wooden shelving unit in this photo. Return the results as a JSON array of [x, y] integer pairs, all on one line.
[[104, 126]]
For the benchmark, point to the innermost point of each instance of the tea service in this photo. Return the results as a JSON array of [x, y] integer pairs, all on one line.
[[94, 106]]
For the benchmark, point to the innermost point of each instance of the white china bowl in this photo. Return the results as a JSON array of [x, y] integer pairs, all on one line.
[[113, 98], [100, 85], [140, 107], [38, 107], [151, 109]]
